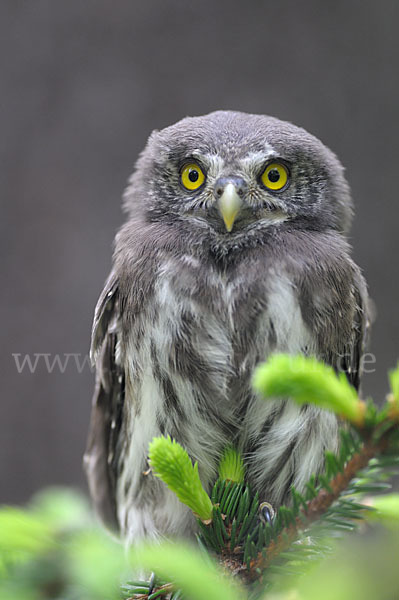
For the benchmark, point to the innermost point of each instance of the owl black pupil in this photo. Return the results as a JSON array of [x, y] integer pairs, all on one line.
[[193, 175], [273, 175]]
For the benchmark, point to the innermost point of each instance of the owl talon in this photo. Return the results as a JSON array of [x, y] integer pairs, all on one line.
[[267, 512], [151, 584]]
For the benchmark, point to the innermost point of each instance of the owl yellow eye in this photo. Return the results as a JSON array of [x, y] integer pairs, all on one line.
[[192, 176], [275, 176]]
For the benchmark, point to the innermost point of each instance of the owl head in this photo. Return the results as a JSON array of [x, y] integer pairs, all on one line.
[[232, 174]]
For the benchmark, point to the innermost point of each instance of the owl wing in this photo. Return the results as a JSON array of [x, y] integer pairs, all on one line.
[[107, 404], [354, 349]]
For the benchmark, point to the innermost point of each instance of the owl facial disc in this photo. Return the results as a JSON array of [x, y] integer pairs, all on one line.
[[229, 205]]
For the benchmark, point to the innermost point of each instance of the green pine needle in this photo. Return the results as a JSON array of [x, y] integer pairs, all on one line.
[[231, 466], [186, 567], [393, 398], [386, 510], [23, 532], [307, 380], [394, 381], [171, 463]]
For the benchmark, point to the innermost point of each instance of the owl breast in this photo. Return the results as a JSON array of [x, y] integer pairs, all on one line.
[[190, 360], [209, 321], [204, 333]]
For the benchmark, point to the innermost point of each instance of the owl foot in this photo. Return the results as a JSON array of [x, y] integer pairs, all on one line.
[[267, 512], [151, 584]]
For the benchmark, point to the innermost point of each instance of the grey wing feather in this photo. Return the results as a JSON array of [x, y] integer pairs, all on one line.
[[103, 315], [353, 353], [107, 405]]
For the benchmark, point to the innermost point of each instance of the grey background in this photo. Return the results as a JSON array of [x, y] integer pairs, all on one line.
[[82, 86]]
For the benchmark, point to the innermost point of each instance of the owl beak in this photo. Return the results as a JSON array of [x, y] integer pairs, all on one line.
[[229, 205]]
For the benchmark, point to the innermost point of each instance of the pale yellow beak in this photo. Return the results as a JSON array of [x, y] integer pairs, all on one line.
[[229, 205]]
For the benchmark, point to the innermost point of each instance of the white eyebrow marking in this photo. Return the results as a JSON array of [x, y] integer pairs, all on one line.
[[214, 162], [259, 157], [207, 156]]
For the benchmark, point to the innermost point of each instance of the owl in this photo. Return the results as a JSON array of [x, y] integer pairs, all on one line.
[[234, 248]]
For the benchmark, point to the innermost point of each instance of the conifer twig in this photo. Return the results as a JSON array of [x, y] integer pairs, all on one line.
[[319, 505]]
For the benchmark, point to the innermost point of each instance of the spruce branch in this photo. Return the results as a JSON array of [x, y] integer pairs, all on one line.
[[394, 381], [386, 509], [308, 381], [231, 466], [318, 506], [393, 397], [171, 463]]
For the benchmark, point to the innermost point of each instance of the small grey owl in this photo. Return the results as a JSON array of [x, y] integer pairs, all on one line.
[[234, 248]]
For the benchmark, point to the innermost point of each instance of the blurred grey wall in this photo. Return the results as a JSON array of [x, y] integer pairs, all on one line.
[[82, 86]]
